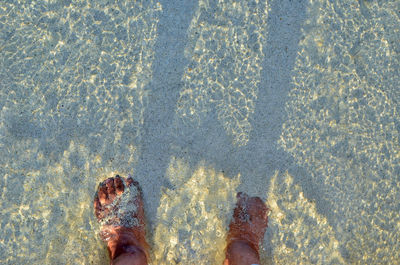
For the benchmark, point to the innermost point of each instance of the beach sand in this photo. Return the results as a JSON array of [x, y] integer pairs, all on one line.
[[296, 102]]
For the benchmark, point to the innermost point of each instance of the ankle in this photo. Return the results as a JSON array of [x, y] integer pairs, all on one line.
[[120, 249], [132, 256], [121, 240], [242, 252]]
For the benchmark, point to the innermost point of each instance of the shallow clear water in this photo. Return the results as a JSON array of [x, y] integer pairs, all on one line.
[[295, 102]]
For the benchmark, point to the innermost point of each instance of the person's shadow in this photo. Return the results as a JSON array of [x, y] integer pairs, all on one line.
[[164, 135]]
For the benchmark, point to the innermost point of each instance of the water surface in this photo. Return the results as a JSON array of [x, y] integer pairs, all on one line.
[[295, 102]]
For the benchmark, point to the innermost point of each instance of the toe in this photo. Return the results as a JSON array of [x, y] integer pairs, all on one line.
[[97, 207], [110, 188], [129, 181], [103, 196], [242, 198], [119, 185], [242, 201]]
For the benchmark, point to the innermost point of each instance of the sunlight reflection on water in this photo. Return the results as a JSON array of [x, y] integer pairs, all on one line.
[[72, 75], [72, 104], [343, 122], [225, 52]]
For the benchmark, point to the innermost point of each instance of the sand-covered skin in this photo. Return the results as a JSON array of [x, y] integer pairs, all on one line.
[[122, 211], [118, 207]]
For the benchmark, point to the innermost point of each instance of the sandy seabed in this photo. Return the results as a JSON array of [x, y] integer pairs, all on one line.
[[293, 101]]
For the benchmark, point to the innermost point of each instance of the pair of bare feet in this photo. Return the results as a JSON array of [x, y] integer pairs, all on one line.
[[118, 207]]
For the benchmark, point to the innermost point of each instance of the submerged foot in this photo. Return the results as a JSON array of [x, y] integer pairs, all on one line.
[[246, 230], [118, 206]]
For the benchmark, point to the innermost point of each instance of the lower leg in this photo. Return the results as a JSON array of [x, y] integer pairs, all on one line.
[[125, 246], [241, 253], [134, 257]]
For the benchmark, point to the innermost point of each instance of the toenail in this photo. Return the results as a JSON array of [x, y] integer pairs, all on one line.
[[130, 181], [108, 181]]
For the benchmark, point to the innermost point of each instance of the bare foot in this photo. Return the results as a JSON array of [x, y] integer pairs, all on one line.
[[118, 206], [246, 230]]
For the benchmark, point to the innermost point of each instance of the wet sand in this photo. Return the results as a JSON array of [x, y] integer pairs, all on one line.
[[295, 102]]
